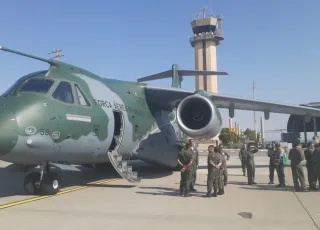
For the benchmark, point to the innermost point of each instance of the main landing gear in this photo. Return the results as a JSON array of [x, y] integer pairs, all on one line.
[[43, 182]]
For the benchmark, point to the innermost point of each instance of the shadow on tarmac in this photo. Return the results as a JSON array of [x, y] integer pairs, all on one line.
[[166, 192], [12, 178], [268, 187], [236, 166]]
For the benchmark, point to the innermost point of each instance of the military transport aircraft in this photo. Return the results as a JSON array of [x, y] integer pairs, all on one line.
[[68, 114]]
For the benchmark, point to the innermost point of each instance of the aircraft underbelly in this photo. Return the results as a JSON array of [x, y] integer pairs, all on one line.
[[160, 146]]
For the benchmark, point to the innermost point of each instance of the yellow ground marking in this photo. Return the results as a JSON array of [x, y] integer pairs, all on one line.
[[59, 193]]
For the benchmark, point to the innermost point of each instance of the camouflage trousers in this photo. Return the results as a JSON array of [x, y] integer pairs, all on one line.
[[251, 171], [225, 176], [221, 180], [185, 181], [193, 178], [312, 177], [213, 179], [298, 177]]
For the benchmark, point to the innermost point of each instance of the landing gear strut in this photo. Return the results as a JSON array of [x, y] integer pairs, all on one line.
[[43, 183]]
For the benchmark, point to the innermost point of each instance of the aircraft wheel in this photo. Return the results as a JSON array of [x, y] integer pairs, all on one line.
[[50, 184], [31, 183]]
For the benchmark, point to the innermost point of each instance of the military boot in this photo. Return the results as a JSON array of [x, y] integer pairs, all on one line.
[[208, 194], [214, 194], [192, 189], [186, 193], [222, 191]]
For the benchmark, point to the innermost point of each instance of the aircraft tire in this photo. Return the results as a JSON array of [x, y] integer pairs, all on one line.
[[50, 184], [29, 184]]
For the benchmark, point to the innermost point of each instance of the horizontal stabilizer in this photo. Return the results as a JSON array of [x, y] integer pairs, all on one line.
[[200, 72], [181, 73]]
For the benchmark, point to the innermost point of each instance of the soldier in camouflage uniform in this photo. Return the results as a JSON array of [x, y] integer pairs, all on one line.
[[316, 158], [226, 157], [251, 167], [221, 171], [214, 163], [243, 158], [185, 161], [312, 177], [296, 157], [195, 164], [272, 152]]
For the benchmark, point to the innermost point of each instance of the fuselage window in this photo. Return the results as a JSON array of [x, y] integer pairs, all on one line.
[[81, 98], [64, 93], [39, 85]]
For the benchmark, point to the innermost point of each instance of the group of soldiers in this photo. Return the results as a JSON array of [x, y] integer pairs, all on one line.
[[217, 169], [296, 156], [312, 157], [278, 160], [218, 174]]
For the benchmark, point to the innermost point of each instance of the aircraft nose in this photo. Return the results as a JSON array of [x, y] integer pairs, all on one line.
[[8, 131]]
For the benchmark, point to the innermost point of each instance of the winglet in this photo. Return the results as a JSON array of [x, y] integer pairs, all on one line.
[[175, 74], [26, 55]]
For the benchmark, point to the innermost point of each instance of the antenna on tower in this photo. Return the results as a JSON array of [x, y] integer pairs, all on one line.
[[211, 7], [57, 54]]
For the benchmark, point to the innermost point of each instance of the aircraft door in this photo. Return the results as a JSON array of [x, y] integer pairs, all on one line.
[[118, 130]]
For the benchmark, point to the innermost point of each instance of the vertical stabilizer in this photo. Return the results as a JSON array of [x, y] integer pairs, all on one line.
[[176, 78]]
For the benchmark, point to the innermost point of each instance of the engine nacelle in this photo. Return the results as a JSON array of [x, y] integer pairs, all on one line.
[[198, 117]]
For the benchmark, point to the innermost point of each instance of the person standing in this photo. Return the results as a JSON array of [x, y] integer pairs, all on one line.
[[316, 157], [226, 157], [214, 163], [185, 161], [279, 164], [195, 165], [251, 167], [272, 151], [296, 157], [312, 177], [243, 158], [221, 171]]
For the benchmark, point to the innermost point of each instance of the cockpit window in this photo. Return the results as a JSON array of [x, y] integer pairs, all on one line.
[[14, 87], [64, 93], [81, 97], [37, 85]]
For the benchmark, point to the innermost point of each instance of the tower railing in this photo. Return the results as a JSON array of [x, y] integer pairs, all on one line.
[[217, 35]]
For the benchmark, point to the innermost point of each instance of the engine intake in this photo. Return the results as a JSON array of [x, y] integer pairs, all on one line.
[[198, 117]]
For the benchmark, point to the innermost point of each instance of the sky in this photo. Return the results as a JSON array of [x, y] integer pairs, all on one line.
[[274, 43]]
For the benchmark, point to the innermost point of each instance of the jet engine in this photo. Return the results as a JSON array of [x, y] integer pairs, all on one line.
[[198, 117]]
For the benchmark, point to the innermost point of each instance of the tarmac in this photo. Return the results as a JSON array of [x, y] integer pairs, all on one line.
[[154, 203]]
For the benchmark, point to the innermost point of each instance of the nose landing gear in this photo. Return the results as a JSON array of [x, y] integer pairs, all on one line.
[[42, 183]]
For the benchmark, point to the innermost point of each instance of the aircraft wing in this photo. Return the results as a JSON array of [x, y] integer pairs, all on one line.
[[168, 98]]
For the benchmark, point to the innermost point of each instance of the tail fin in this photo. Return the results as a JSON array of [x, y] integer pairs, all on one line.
[[177, 75]]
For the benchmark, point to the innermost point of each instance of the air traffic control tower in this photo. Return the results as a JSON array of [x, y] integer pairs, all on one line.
[[207, 34]]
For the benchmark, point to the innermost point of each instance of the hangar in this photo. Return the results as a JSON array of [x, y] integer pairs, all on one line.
[[297, 124]]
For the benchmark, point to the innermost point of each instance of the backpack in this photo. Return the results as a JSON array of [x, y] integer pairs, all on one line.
[[285, 159]]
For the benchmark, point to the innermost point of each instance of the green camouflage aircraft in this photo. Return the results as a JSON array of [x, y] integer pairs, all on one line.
[[68, 114]]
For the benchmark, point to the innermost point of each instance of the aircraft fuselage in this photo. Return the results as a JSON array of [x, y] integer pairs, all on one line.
[[74, 118]]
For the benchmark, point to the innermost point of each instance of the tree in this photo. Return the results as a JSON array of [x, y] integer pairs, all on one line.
[[251, 135], [227, 136]]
